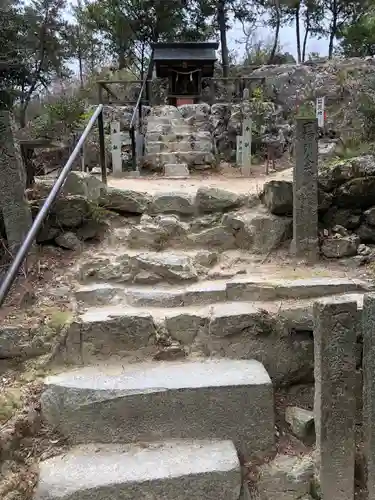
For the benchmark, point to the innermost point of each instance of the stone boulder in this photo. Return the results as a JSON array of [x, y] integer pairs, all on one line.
[[346, 217], [258, 230], [83, 184], [337, 246], [370, 216], [333, 175], [216, 200], [366, 233], [125, 201], [67, 212], [286, 477], [278, 197], [68, 240], [171, 267], [180, 203], [356, 193]]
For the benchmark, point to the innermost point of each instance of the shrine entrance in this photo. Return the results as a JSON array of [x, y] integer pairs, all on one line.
[[184, 64]]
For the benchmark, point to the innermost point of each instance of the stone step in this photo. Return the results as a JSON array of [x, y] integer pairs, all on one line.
[[294, 314], [208, 292], [189, 157], [203, 470], [152, 401], [171, 134], [153, 147], [176, 170], [204, 292]]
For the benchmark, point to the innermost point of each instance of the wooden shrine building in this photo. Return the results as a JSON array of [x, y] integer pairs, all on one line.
[[184, 64]]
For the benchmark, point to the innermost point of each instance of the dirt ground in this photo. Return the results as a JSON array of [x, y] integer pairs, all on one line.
[[226, 178]]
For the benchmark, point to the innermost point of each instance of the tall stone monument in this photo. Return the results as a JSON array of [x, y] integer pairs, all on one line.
[[368, 326], [305, 190], [335, 336]]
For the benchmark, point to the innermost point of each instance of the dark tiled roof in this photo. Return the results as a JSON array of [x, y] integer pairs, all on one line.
[[185, 51]]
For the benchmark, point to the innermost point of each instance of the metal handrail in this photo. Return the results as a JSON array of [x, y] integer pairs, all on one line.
[[42, 214]]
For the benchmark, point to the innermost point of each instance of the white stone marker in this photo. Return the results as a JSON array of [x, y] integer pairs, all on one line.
[[246, 148], [116, 145]]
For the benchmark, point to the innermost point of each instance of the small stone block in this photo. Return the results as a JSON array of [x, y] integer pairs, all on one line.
[[301, 421], [176, 170]]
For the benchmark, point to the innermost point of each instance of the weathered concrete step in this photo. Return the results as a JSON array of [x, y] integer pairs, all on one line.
[[207, 292], [201, 470], [151, 401]]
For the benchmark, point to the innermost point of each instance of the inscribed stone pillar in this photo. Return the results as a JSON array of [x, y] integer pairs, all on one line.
[[14, 209], [368, 330], [335, 398], [305, 190]]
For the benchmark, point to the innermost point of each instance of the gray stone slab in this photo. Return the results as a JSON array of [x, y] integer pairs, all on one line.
[[205, 293], [368, 328], [206, 399], [176, 170], [335, 395], [250, 289], [154, 297], [205, 470], [99, 294], [232, 318]]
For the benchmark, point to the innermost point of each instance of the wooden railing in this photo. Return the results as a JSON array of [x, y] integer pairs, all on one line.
[[213, 90]]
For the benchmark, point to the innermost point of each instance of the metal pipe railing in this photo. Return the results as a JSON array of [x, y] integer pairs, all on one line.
[[42, 214]]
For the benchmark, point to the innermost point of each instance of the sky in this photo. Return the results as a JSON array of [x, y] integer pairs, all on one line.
[[287, 40]]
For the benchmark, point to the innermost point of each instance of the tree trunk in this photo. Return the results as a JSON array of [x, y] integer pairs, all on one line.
[[306, 36], [22, 115], [121, 58], [277, 33], [298, 32], [333, 29], [14, 207], [221, 19]]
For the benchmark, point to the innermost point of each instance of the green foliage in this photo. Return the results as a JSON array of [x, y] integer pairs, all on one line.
[[34, 48], [62, 117], [258, 94], [358, 39], [306, 110]]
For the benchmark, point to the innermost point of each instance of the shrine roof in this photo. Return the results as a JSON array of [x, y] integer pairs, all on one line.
[[187, 51]]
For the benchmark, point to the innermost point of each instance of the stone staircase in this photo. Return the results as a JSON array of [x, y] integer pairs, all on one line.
[[171, 388], [171, 140]]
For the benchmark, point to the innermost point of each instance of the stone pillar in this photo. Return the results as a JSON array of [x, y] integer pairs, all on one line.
[[305, 190], [368, 328], [335, 399]]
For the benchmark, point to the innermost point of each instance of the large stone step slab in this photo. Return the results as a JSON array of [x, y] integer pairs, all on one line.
[[212, 291], [151, 401], [200, 470]]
